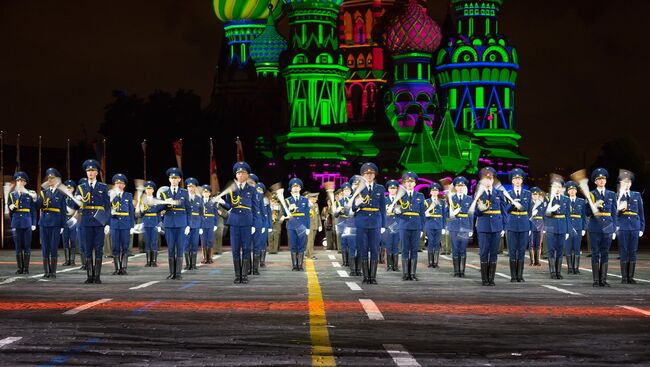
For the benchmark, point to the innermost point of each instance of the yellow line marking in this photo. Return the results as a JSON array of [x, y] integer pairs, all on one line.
[[321, 349]]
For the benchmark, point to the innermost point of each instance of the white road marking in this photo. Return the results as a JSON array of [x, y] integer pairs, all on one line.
[[144, 285], [6, 341], [76, 310], [353, 286], [336, 264], [561, 290], [332, 257], [400, 355], [371, 309], [644, 312], [343, 273]]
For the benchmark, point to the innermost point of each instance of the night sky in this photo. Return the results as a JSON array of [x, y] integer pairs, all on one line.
[[582, 80]]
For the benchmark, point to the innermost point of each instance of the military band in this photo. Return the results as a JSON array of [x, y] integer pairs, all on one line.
[[366, 215]]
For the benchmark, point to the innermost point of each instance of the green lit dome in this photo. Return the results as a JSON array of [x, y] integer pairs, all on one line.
[[227, 10], [268, 46]]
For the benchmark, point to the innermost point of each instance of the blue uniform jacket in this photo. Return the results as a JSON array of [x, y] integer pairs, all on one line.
[[578, 216], [196, 211], [463, 221], [494, 218], [243, 206], [371, 213], [209, 214], [605, 220], [558, 221], [123, 212], [260, 218], [438, 218], [300, 215], [412, 211], [518, 220], [391, 218], [53, 206], [537, 219], [268, 217], [177, 216], [151, 215], [96, 205], [24, 213], [632, 218]]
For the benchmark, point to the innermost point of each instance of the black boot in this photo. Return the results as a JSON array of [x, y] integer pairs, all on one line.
[[26, 260], [484, 273], [124, 264], [531, 256], [551, 267], [513, 271], [46, 267], [382, 255], [430, 259], [463, 260], [364, 270], [193, 258], [520, 270], [436, 257], [294, 261], [256, 264], [246, 264], [405, 270], [538, 255], [172, 267], [569, 264], [357, 265], [148, 263], [211, 253], [456, 262], [353, 264], [154, 259], [344, 258], [624, 272], [414, 268], [630, 272], [301, 260], [576, 266], [73, 255], [595, 271], [389, 262], [373, 271], [89, 270], [66, 255], [53, 264], [396, 262], [117, 265], [263, 259], [97, 271], [491, 273], [84, 263], [603, 275], [178, 267], [237, 266], [558, 267], [187, 261], [19, 262], [250, 263]]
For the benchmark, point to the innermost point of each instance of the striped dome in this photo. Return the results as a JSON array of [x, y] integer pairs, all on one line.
[[246, 9], [413, 31], [268, 46], [336, 2]]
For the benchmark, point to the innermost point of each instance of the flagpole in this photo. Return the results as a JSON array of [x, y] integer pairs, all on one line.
[[67, 158], [40, 161], [18, 153], [144, 157], [103, 162]]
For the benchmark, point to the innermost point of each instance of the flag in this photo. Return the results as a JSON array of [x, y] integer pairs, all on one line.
[[214, 180], [240, 150], [178, 151]]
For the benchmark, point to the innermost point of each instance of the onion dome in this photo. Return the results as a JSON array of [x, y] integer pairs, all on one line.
[[268, 46], [228, 10], [335, 2], [413, 31]]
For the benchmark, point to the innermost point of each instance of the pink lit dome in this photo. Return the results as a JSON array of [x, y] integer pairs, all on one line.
[[413, 31]]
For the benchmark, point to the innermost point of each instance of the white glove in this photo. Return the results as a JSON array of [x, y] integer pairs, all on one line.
[[33, 228], [200, 231], [320, 229], [503, 233], [263, 229], [613, 236], [358, 201], [78, 197], [470, 234], [421, 234], [215, 228], [622, 206], [159, 229], [397, 210], [252, 230], [544, 232], [517, 205], [455, 212], [61, 231], [443, 232], [187, 230], [132, 231], [270, 230], [583, 233], [383, 230], [482, 206], [566, 236], [535, 212], [221, 201], [292, 207], [33, 194], [12, 207], [307, 232], [640, 233], [530, 233], [553, 208], [107, 229]]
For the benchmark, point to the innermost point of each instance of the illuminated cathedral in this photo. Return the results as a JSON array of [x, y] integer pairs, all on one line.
[[362, 80]]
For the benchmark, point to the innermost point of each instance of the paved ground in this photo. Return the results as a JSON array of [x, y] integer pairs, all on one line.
[[321, 317]]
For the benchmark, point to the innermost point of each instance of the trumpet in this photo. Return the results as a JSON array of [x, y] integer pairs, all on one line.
[[580, 177], [401, 191]]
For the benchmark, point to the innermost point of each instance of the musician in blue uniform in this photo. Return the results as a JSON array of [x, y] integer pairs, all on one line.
[[243, 207], [344, 224], [518, 226], [95, 214], [631, 222], [151, 226], [601, 226], [79, 232], [52, 204], [390, 238], [196, 209], [370, 221], [176, 221], [121, 224], [298, 223], [577, 230], [259, 246], [537, 225], [410, 209], [460, 224], [22, 209], [435, 223], [69, 236], [260, 227], [557, 224], [208, 224], [490, 224], [353, 246]]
